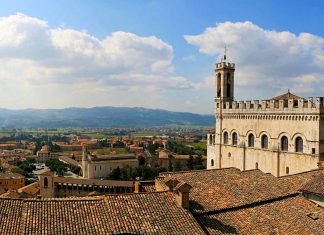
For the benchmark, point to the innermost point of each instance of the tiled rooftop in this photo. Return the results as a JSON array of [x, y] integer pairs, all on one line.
[[286, 216], [154, 213], [229, 187], [10, 216], [296, 182], [10, 175], [315, 186]]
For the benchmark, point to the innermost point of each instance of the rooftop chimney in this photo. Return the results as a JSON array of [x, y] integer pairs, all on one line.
[[181, 191], [171, 183]]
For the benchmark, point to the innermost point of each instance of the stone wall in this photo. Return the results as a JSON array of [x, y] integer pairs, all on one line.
[[102, 169], [271, 160]]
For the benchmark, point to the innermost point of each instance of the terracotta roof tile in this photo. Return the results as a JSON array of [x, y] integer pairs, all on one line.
[[295, 182], [147, 213], [315, 185], [229, 187], [286, 216]]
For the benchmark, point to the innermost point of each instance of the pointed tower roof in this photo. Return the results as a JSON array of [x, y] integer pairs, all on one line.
[[287, 96]]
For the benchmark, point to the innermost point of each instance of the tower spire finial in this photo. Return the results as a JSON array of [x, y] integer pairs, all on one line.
[[224, 56]]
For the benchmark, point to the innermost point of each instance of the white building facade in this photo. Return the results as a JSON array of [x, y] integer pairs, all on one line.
[[283, 135]]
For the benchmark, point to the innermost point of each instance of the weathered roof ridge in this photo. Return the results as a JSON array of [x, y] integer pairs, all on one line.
[[314, 186], [190, 171], [300, 173], [248, 205]]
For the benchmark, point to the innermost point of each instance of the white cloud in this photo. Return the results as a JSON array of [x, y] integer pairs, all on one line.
[[189, 58], [33, 52], [266, 60]]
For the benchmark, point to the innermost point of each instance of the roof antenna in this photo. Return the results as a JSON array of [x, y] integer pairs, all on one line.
[[224, 56]]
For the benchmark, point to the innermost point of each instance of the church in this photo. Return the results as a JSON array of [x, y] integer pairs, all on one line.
[[282, 135]]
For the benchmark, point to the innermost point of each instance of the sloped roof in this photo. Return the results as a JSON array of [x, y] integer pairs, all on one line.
[[10, 216], [10, 194], [287, 96], [228, 187], [148, 213], [11, 175], [287, 216], [315, 185], [297, 181], [30, 189]]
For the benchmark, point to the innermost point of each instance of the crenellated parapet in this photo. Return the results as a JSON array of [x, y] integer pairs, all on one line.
[[311, 105], [226, 65]]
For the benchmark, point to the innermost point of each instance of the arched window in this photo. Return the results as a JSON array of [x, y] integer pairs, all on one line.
[[284, 143], [287, 170], [256, 165], [225, 137], [234, 138], [45, 182], [210, 139], [264, 141], [251, 140], [212, 162], [218, 85], [299, 144]]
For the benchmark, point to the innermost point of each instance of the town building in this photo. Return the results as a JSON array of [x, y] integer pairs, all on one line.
[[53, 186], [177, 162], [11, 181], [45, 154], [65, 146], [28, 191], [282, 135], [95, 167]]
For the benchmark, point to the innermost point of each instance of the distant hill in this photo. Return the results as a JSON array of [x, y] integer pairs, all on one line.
[[99, 117]]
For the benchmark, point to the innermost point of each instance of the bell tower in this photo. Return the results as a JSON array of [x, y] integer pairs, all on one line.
[[224, 72]]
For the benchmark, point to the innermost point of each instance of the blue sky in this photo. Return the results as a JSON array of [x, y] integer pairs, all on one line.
[[55, 59]]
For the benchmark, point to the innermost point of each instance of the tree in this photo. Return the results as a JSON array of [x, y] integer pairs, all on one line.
[[191, 162], [17, 170], [60, 170], [115, 174], [198, 160], [177, 166], [141, 160]]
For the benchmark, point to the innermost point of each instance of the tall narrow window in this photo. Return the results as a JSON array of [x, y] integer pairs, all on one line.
[[251, 140], [210, 139], [228, 85], [287, 170], [212, 162], [225, 137], [256, 165], [234, 138], [218, 85], [45, 182], [299, 144], [284, 143], [264, 141]]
